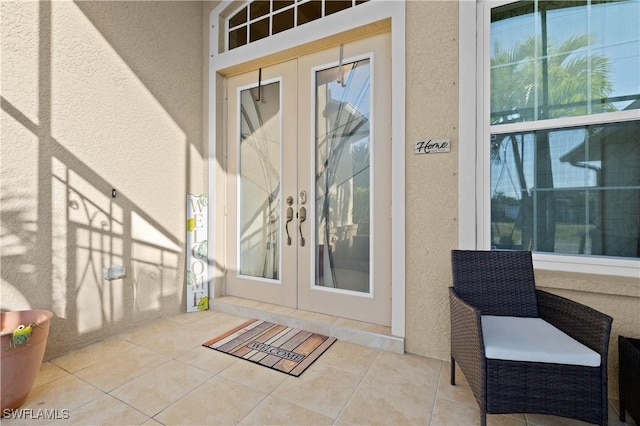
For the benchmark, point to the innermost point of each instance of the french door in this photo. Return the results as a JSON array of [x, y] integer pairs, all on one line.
[[309, 182]]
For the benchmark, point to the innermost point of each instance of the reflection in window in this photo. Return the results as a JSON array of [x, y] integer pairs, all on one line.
[[565, 187], [343, 176], [574, 190], [559, 59], [259, 187]]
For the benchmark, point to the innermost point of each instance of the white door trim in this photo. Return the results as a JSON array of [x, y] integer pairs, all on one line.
[[364, 14]]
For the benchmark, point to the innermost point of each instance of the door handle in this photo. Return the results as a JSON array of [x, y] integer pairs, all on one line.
[[289, 218], [302, 216]]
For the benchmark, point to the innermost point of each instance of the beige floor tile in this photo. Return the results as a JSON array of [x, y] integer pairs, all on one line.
[[350, 357], [89, 355], [48, 373], [545, 420], [157, 389], [217, 324], [220, 401], [406, 369], [207, 359], [461, 392], [255, 376], [152, 330], [449, 413], [322, 389], [506, 420], [188, 318], [274, 411], [131, 364], [175, 343], [375, 402], [152, 422], [68, 392], [106, 410]]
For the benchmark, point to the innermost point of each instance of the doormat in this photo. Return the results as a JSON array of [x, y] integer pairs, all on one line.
[[272, 345]]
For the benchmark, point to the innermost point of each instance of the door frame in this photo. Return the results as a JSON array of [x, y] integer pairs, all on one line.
[[369, 18]]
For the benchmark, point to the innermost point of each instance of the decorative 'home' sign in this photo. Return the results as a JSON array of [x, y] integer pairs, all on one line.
[[197, 252], [432, 146]]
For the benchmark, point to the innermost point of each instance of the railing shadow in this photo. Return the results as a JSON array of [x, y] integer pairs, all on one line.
[[61, 232], [95, 232]]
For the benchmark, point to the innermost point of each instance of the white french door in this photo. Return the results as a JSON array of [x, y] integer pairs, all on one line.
[[309, 182]]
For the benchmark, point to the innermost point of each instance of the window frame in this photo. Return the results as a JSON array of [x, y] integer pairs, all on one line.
[[602, 265], [239, 5]]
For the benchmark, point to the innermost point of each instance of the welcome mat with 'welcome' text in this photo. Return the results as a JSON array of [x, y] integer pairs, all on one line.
[[272, 345]]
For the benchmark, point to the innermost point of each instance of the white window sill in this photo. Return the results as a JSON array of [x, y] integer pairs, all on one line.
[[588, 264]]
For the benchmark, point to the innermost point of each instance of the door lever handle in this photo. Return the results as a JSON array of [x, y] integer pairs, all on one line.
[[286, 226], [289, 218], [302, 216]]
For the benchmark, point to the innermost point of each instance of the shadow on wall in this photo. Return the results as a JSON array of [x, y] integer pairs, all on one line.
[[98, 116]]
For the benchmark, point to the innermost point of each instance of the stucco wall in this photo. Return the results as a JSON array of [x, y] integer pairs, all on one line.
[[432, 191], [432, 184], [95, 96]]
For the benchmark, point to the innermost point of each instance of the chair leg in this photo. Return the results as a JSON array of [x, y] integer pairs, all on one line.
[[483, 417], [453, 371]]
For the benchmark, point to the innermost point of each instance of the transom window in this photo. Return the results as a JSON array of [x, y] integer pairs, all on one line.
[[262, 18], [564, 126]]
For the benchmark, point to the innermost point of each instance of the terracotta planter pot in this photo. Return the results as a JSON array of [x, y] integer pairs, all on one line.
[[20, 364]]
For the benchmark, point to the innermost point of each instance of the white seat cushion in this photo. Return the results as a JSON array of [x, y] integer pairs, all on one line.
[[533, 339]]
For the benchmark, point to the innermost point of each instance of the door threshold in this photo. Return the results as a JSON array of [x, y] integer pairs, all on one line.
[[358, 332]]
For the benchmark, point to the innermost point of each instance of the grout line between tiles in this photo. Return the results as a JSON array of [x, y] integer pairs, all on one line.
[[355, 389], [435, 394]]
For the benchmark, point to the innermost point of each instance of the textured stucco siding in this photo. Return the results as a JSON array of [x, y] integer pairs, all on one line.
[[98, 95], [431, 179]]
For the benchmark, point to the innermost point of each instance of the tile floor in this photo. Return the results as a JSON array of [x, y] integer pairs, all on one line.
[[160, 374]]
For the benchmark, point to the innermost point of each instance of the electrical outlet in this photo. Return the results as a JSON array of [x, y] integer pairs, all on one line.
[[114, 272]]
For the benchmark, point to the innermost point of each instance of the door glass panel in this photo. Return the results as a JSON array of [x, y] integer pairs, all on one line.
[[342, 175], [259, 186]]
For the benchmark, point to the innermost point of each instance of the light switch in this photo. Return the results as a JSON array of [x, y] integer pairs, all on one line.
[[114, 272]]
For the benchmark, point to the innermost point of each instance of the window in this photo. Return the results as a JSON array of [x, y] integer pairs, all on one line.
[[564, 127], [268, 17]]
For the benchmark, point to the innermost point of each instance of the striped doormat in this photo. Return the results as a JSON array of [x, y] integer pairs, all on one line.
[[272, 345]]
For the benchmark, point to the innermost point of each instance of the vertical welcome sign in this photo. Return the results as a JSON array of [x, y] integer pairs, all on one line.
[[197, 251]]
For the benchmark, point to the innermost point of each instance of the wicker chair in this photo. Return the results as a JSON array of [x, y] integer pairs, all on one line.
[[501, 283]]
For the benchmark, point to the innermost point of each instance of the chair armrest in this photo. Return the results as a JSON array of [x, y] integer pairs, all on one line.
[[467, 345], [588, 326]]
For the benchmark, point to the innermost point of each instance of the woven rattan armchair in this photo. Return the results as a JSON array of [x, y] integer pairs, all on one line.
[[500, 284]]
